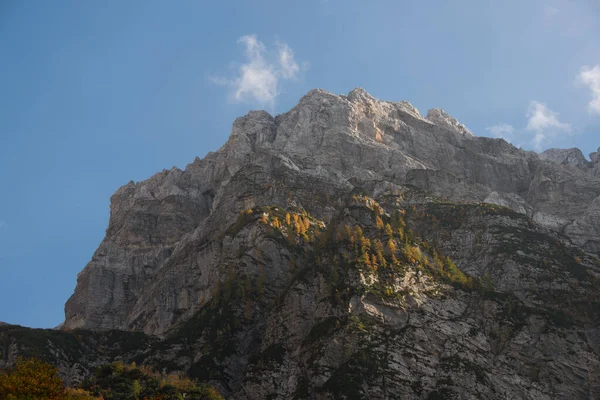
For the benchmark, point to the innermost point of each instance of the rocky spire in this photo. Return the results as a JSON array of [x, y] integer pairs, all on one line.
[[445, 120], [571, 156]]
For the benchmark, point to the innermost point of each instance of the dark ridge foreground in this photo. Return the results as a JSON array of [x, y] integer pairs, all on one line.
[[349, 248]]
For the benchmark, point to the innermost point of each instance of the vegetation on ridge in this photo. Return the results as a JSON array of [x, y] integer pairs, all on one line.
[[33, 379]]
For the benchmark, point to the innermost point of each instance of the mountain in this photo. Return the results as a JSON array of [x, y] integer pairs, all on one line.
[[317, 152], [349, 248]]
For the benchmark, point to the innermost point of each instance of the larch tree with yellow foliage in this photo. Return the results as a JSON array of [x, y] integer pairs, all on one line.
[[276, 223], [31, 379], [378, 222], [388, 230]]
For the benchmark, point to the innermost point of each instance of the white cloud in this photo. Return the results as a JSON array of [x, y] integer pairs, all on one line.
[[590, 76], [289, 67], [258, 80], [544, 123], [541, 117], [504, 131]]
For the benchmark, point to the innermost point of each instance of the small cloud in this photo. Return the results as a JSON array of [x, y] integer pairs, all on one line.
[[541, 117], [504, 131], [590, 76], [544, 123], [259, 78], [289, 67]]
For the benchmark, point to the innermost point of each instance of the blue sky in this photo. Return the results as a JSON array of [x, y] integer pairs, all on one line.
[[95, 94]]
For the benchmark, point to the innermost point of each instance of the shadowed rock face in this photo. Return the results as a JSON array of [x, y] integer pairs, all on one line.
[[572, 157], [297, 310], [157, 265]]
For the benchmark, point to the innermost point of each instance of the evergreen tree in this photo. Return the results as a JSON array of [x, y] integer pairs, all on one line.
[[391, 247], [378, 222], [388, 230]]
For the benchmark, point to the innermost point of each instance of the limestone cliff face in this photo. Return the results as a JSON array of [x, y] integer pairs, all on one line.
[[367, 304], [157, 265]]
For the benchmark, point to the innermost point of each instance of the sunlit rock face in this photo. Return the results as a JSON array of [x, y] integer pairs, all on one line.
[[524, 226], [325, 145]]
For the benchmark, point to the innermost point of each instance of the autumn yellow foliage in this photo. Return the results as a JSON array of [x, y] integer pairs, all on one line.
[[31, 379]]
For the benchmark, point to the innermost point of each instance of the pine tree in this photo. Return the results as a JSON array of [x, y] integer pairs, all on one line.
[[391, 247], [401, 234], [378, 252], [136, 389], [437, 260], [398, 220], [346, 232], [365, 245], [276, 223], [412, 253], [305, 223], [364, 259], [374, 263], [388, 230], [358, 233]]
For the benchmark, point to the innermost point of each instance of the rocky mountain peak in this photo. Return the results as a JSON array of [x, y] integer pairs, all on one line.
[[316, 96], [443, 119], [319, 151], [595, 157], [360, 95], [257, 126], [571, 156]]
